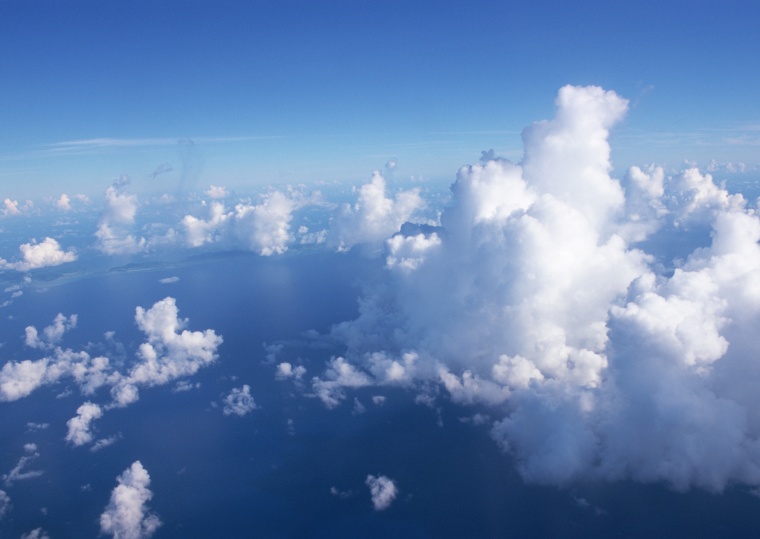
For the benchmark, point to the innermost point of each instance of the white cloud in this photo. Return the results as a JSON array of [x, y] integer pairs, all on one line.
[[614, 325], [170, 352], [168, 280], [19, 472], [52, 334], [10, 207], [263, 228], [40, 255], [383, 491], [119, 214], [79, 426], [286, 370], [63, 202], [374, 217], [239, 401], [127, 515], [216, 191]]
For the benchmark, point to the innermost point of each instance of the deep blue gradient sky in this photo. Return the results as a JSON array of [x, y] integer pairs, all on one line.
[[331, 90]]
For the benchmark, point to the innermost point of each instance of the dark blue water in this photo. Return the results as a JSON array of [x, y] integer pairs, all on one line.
[[261, 476]]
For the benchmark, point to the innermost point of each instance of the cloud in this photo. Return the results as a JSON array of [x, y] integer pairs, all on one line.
[[263, 228], [119, 214], [79, 426], [63, 203], [40, 255], [216, 191], [37, 533], [373, 217], [168, 280], [171, 351], [18, 473], [610, 325], [383, 491], [127, 516], [10, 207], [239, 402]]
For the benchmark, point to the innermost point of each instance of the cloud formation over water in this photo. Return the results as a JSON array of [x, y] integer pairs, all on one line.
[[552, 293]]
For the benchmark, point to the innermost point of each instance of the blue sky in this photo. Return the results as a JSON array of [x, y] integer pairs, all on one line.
[[274, 92]]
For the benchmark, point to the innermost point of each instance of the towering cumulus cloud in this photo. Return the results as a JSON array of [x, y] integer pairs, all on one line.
[[551, 294]]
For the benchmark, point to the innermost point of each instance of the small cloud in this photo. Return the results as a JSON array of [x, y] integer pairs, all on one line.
[[127, 516], [239, 402], [79, 426], [40, 255], [216, 191], [383, 491], [168, 280]]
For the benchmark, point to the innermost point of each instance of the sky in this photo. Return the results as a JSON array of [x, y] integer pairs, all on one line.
[[369, 269], [290, 92]]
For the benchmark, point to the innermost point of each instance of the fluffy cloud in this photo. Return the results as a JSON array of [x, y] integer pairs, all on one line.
[[40, 255], [170, 352], [10, 207], [79, 426], [239, 401], [373, 217], [127, 515], [557, 294], [383, 491], [263, 228], [119, 214], [52, 334], [216, 191]]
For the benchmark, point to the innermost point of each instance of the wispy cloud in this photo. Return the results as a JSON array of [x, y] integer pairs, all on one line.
[[71, 146]]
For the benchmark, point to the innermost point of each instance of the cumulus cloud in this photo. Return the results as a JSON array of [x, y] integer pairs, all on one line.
[[216, 191], [79, 426], [10, 207], [239, 401], [374, 217], [263, 228], [556, 294], [383, 491], [127, 516], [171, 351], [52, 334], [113, 237], [40, 255], [37, 533]]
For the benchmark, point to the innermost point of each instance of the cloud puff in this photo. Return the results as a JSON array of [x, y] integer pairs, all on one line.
[[119, 214], [612, 324], [263, 228], [373, 217], [40, 255], [383, 491], [239, 402], [79, 426], [127, 516], [52, 334], [216, 191], [170, 352]]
